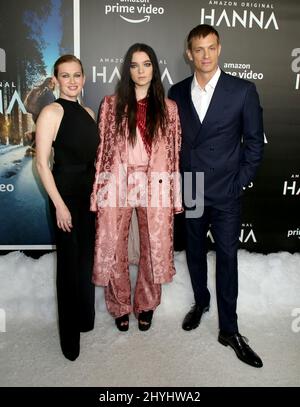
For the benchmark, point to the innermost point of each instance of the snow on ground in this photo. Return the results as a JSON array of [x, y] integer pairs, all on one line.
[[268, 309]]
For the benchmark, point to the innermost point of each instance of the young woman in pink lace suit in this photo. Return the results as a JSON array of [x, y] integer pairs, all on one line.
[[137, 167]]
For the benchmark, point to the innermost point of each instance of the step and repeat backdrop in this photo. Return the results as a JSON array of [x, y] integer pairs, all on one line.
[[260, 42]]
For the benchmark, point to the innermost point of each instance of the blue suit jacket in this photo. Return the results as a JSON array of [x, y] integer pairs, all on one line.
[[228, 145]]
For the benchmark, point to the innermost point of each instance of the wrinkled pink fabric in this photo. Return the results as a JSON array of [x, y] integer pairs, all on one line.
[[118, 292], [137, 154], [112, 158]]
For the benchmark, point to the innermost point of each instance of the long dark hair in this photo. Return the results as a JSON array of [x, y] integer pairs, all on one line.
[[126, 104]]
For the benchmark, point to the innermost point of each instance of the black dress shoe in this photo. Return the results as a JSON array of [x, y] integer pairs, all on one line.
[[193, 317], [241, 348], [71, 355], [71, 352], [145, 320], [122, 322]]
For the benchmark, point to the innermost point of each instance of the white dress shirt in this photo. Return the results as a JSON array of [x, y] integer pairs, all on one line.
[[201, 97]]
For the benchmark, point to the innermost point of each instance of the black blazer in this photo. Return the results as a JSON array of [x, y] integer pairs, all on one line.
[[228, 145]]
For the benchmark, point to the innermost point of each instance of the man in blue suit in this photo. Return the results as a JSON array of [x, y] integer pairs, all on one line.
[[222, 137]]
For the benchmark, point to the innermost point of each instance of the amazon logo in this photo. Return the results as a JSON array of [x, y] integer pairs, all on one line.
[[134, 14]]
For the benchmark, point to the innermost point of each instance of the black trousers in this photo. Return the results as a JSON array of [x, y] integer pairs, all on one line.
[[225, 227], [75, 291]]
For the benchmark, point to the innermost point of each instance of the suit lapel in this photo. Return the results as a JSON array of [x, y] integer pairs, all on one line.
[[190, 113], [122, 145], [217, 105]]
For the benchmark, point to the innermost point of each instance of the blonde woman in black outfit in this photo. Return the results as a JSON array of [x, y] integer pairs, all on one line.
[[71, 131]]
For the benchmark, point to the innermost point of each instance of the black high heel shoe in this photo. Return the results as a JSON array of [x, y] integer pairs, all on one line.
[[145, 320], [121, 322]]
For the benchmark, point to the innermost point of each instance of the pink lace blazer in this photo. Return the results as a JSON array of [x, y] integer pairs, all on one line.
[[109, 194]]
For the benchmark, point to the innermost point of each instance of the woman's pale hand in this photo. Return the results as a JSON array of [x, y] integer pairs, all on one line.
[[64, 219]]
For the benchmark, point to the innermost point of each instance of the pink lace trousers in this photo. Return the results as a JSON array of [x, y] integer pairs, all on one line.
[[118, 292]]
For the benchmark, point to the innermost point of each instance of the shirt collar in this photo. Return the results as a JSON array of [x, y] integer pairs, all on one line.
[[212, 83]]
